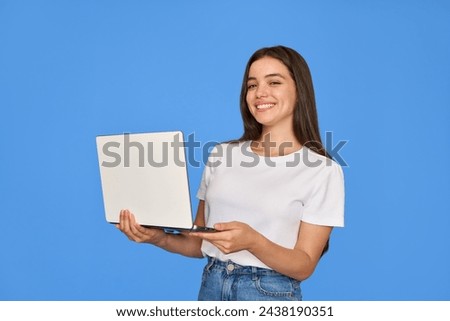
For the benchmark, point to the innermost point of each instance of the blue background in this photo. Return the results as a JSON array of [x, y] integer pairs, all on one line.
[[71, 70]]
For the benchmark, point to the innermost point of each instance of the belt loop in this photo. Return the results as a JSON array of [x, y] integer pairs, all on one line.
[[254, 273], [211, 261]]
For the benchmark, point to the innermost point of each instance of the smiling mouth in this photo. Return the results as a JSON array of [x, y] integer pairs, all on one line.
[[265, 106]]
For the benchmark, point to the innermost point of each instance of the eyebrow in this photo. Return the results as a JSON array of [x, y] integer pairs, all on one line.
[[268, 76]]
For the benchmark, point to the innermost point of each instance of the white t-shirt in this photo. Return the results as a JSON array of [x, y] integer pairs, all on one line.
[[271, 194]]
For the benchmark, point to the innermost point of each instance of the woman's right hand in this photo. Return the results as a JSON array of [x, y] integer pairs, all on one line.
[[138, 233]]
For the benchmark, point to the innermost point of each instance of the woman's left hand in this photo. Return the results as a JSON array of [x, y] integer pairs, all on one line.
[[231, 237]]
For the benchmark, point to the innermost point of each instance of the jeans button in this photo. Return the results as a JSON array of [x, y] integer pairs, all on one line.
[[230, 267]]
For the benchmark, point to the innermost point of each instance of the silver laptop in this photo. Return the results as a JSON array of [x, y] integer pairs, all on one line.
[[146, 173]]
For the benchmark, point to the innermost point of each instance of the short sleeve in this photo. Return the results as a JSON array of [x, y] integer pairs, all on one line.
[[208, 172], [325, 205], [201, 192]]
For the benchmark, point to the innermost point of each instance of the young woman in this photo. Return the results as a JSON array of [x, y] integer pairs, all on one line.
[[273, 196]]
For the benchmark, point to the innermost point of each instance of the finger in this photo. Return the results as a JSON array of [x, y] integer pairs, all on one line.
[[136, 229], [142, 230], [211, 237], [222, 248], [224, 226], [220, 242], [125, 221], [121, 220], [139, 232], [198, 234]]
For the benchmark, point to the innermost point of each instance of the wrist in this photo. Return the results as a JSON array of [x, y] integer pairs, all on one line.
[[160, 239], [257, 242]]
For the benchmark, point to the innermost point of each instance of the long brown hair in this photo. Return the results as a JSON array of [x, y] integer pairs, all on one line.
[[306, 124]]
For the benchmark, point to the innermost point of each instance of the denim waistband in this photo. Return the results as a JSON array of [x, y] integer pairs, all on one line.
[[232, 267]]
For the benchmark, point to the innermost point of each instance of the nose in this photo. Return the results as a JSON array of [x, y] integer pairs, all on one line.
[[261, 91]]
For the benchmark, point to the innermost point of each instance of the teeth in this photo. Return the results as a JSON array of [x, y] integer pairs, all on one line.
[[265, 106]]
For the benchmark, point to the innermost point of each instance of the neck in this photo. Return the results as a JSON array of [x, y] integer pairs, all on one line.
[[276, 143]]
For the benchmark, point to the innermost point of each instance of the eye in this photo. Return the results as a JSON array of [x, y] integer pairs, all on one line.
[[274, 83], [251, 86]]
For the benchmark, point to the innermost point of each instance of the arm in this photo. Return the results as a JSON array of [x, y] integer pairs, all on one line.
[[183, 244], [298, 263]]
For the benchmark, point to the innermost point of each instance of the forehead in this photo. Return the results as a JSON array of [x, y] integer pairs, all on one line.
[[266, 66]]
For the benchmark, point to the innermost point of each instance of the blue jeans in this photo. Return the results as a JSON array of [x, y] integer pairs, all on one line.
[[228, 281]]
